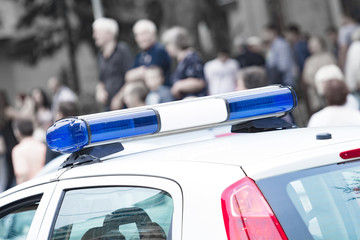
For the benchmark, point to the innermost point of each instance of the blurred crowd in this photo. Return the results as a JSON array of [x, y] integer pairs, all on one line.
[[325, 72]]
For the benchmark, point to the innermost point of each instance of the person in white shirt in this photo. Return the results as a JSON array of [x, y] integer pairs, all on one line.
[[220, 73], [336, 113], [352, 64]]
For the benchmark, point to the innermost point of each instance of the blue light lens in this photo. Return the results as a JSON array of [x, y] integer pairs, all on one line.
[[67, 135], [126, 125], [72, 134], [262, 103]]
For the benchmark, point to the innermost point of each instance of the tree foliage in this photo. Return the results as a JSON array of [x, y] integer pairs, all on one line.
[[42, 28]]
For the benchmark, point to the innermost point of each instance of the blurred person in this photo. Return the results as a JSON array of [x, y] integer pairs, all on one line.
[[114, 59], [220, 73], [249, 52], [135, 94], [332, 37], [42, 113], [255, 77], [330, 72], [3, 164], [251, 77], [60, 93], [152, 52], [29, 155], [20, 99], [255, 45], [319, 57], [34, 107], [188, 79], [336, 113], [279, 59], [298, 44], [158, 92], [349, 25], [24, 108], [66, 109], [7, 133], [352, 66]]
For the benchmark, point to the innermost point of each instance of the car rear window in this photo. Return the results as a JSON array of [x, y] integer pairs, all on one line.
[[320, 203], [114, 213]]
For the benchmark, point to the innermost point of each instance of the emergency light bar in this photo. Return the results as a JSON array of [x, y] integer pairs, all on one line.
[[72, 134]]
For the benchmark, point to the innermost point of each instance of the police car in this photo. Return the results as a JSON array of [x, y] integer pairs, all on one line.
[[219, 167]]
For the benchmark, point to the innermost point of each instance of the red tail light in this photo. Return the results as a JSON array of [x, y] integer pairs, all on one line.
[[247, 215]]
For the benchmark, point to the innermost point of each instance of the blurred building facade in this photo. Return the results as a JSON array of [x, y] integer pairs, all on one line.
[[203, 19], [17, 76], [248, 17]]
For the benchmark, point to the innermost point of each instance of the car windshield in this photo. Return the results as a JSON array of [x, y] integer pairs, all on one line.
[[320, 203]]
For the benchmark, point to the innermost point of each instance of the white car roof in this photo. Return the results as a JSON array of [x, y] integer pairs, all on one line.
[[259, 154]]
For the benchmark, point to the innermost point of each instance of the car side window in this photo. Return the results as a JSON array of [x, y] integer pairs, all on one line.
[[114, 213], [16, 219]]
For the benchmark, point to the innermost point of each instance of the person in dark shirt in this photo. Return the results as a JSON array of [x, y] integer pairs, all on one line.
[[279, 58], [248, 53], [299, 46], [152, 53], [332, 37], [114, 61], [188, 79], [7, 134]]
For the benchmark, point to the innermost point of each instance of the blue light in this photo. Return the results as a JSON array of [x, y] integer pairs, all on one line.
[[121, 126], [262, 103], [67, 135], [72, 134]]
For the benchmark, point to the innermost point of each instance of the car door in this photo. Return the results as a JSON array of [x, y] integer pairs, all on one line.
[[22, 212], [114, 207]]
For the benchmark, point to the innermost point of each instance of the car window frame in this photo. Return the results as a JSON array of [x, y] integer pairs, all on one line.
[[20, 198], [164, 184]]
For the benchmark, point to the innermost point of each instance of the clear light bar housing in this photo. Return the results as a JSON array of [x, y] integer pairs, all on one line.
[[72, 134]]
